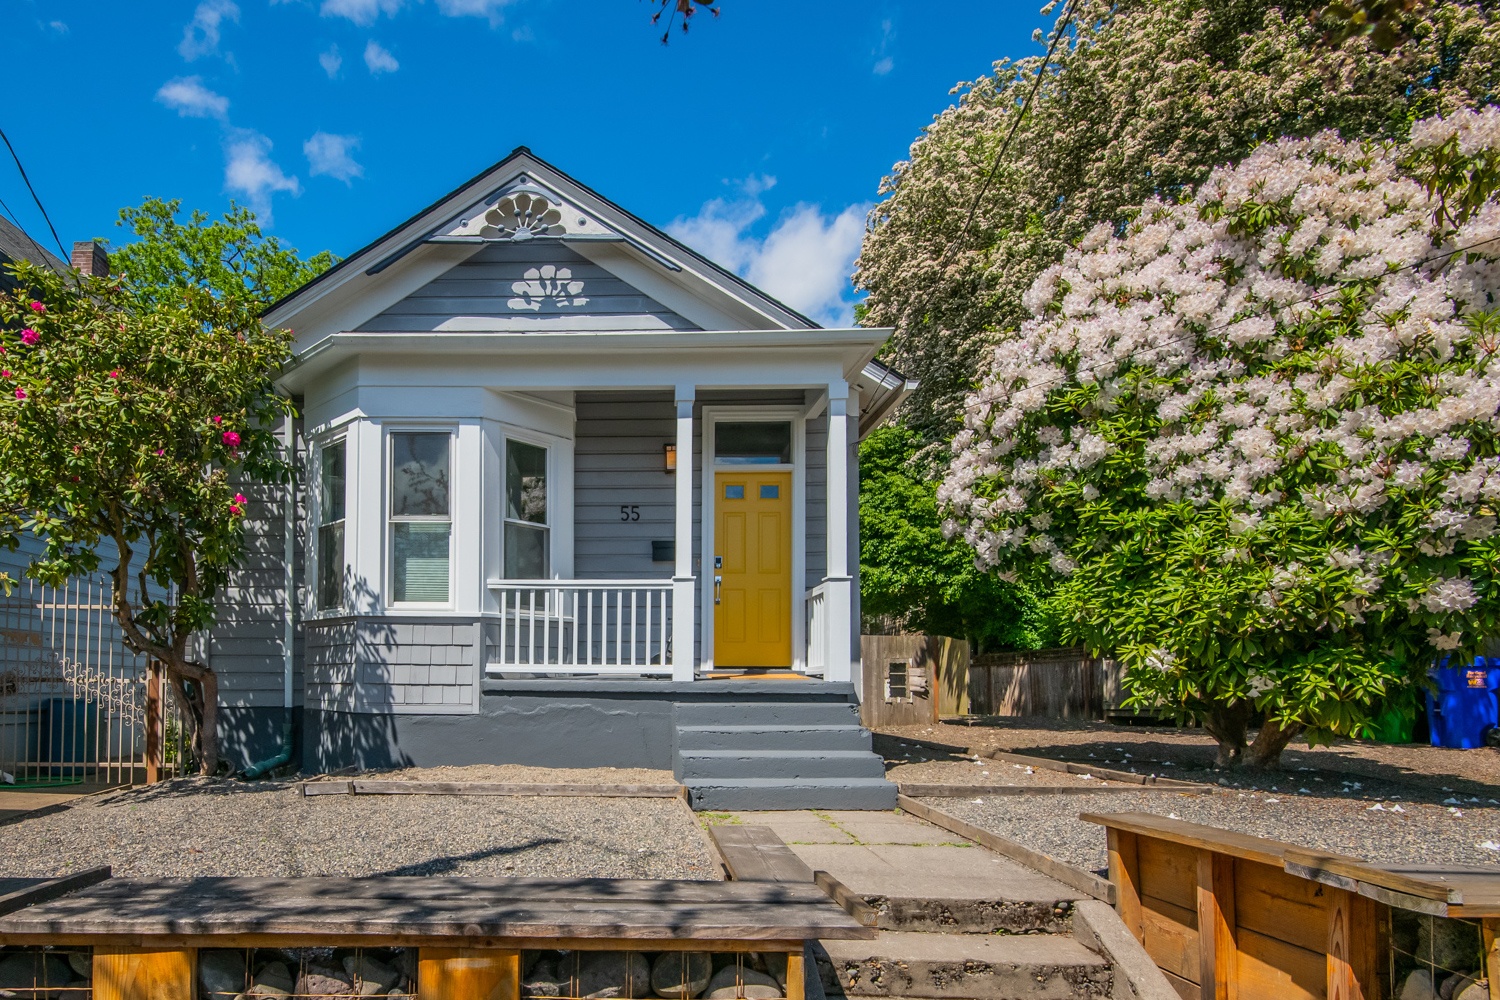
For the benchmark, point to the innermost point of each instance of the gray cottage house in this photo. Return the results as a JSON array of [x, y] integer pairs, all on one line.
[[573, 495]]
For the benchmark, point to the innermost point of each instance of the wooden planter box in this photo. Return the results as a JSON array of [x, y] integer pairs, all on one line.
[[1226, 915], [470, 933]]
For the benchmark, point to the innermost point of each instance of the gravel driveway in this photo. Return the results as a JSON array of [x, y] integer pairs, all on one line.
[[198, 827], [1420, 833]]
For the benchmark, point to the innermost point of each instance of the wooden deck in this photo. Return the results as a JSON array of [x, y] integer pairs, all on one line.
[[490, 912]]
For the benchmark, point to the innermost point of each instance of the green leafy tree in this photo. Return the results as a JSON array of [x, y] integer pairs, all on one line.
[[134, 409], [910, 572], [1143, 99], [230, 257], [1254, 440]]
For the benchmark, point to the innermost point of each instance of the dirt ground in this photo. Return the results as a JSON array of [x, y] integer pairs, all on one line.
[[1414, 771], [520, 773]]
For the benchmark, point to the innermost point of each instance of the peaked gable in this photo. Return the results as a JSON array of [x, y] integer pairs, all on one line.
[[532, 285], [524, 201]]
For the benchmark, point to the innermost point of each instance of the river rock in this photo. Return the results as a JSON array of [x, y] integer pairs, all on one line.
[[324, 980], [1474, 991], [776, 966], [27, 969], [673, 967], [751, 984], [375, 977], [603, 974], [1454, 984], [221, 973], [1447, 944], [1418, 986], [82, 963]]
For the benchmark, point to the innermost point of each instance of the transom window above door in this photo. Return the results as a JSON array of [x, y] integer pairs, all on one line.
[[528, 539], [761, 442]]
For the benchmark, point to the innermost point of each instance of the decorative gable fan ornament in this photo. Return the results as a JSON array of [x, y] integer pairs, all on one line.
[[521, 216]]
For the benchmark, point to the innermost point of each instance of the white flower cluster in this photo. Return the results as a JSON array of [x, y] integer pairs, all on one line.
[[1304, 334]]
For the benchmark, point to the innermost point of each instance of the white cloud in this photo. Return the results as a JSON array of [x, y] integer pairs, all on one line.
[[805, 260], [473, 8], [201, 36], [60, 27], [379, 60], [361, 12], [328, 154], [250, 171], [884, 63], [189, 98], [331, 61]]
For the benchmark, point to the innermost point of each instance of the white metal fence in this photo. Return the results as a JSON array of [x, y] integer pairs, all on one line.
[[817, 627], [74, 702], [587, 626]]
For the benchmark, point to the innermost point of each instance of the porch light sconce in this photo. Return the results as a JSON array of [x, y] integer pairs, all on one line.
[[670, 453]]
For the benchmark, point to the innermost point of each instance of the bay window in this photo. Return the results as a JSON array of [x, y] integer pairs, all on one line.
[[421, 517], [527, 538], [331, 526]]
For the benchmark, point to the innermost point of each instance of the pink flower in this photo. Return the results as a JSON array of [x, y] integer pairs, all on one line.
[[20, 393], [5, 373], [232, 439], [161, 451], [29, 336], [38, 307], [238, 498], [235, 510], [114, 374], [218, 420]]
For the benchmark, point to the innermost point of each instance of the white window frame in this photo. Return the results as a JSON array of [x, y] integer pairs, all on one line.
[[389, 522], [713, 415], [547, 443], [342, 436]]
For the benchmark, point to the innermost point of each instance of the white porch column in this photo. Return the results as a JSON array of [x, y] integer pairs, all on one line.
[[838, 659], [684, 591]]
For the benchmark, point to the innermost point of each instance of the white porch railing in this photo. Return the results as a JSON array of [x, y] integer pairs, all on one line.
[[582, 626], [817, 627]]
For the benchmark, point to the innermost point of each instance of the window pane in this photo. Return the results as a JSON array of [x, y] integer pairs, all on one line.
[[525, 552], [421, 549], [419, 475], [331, 484], [770, 492], [330, 565], [734, 492], [753, 443], [525, 482]]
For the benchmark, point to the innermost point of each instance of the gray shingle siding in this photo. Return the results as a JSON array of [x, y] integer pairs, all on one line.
[[391, 665]]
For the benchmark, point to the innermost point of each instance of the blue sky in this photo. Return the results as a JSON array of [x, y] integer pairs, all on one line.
[[760, 138]]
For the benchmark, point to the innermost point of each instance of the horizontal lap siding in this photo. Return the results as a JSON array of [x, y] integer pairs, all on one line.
[[618, 459], [484, 286], [245, 645]]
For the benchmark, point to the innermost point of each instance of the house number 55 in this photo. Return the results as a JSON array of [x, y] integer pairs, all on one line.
[[630, 512]]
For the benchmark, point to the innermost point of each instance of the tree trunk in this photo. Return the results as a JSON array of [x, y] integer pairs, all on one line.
[[202, 707], [1265, 752], [1227, 725]]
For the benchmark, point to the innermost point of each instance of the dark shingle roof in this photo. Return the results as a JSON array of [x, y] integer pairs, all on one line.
[[16, 244]]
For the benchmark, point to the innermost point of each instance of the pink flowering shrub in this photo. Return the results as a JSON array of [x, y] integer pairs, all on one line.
[[1253, 438]]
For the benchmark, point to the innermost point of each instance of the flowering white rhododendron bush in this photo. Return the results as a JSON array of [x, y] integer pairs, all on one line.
[[1252, 440]]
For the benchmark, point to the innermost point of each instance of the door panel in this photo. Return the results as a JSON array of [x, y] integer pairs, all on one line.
[[752, 619]]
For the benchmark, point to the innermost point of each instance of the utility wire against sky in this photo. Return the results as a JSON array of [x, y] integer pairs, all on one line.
[[34, 197]]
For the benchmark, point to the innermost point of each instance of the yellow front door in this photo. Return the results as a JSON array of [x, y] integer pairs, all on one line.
[[753, 585]]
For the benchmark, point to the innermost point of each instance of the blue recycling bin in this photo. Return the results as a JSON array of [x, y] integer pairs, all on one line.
[[1465, 703], [68, 734]]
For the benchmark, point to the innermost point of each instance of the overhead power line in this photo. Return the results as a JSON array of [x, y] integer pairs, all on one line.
[[34, 197]]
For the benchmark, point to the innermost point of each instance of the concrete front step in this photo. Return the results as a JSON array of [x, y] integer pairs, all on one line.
[[730, 794], [767, 713], [780, 764], [969, 967], [773, 737]]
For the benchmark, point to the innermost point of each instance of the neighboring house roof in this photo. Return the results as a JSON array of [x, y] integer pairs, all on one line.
[[16, 244]]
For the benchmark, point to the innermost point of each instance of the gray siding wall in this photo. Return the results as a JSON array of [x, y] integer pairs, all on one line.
[[483, 286], [619, 461], [245, 646], [393, 665]]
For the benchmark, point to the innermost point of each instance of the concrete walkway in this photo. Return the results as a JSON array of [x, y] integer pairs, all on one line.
[[955, 920]]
